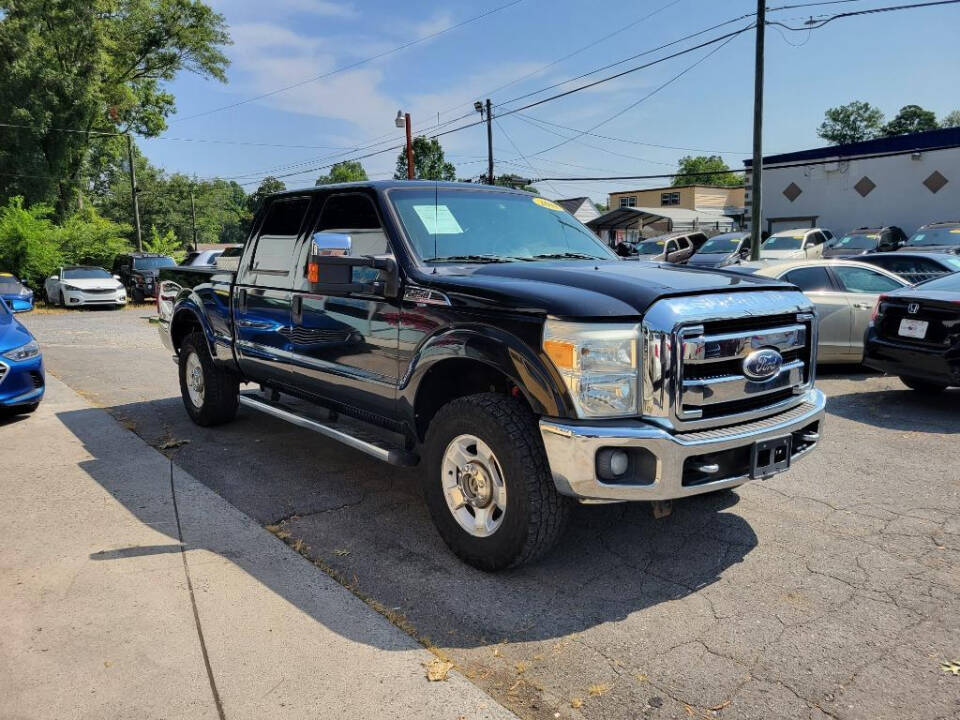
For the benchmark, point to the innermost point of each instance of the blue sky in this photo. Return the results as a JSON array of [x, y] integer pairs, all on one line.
[[889, 59]]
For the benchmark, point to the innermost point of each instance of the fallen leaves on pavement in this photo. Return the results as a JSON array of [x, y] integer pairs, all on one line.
[[952, 667], [438, 670]]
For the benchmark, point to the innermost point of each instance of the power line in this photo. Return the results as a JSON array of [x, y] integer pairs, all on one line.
[[519, 152], [352, 65], [871, 11]]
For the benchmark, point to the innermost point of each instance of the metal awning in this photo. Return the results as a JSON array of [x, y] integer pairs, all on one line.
[[634, 217]]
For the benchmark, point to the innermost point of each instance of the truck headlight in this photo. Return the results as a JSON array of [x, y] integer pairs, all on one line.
[[599, 365], [24, 352]]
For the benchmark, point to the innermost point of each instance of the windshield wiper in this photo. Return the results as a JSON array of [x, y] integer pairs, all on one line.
[[566, 256], [469, 258]]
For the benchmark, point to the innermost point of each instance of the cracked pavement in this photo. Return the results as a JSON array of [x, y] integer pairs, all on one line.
[[832, 591]]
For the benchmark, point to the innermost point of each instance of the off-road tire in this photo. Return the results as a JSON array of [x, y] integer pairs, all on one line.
[[137, 296], [221, 387], [922, 386], [536, 514]]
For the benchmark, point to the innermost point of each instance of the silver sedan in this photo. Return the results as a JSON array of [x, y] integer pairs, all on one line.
[[845, 293]]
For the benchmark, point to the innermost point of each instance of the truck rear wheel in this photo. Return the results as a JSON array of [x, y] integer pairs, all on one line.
[[209, 393], [488, 485]]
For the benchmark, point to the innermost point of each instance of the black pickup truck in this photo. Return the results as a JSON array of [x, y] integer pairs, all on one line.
[[488, 335]]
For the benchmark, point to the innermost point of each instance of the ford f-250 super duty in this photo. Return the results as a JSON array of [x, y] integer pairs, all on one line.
[[488, 335]]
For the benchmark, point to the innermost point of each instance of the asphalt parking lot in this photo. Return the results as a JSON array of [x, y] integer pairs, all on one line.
[[830, 591]]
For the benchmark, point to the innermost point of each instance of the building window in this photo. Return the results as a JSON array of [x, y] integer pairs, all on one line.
[[669, 198], [628, 201]]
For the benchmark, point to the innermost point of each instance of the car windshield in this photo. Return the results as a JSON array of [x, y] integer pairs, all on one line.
[[651, 247], [783, 242], [857, 241], [446, 225], [721, 244], [153, 262], [85, 273], [935, 236], [9, 284]]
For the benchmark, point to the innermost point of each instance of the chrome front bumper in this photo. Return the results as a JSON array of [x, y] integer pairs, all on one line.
[[572, 453]]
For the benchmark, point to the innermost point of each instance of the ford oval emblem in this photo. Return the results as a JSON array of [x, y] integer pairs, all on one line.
[[762, 364]]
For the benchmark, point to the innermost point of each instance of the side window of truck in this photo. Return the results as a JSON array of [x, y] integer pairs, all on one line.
[[273, 254], [355, 214]]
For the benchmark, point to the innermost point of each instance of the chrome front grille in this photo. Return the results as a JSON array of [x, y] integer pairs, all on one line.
[[694, 351]]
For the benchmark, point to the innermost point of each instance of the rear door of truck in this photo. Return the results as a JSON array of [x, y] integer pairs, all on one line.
[[263, 290]]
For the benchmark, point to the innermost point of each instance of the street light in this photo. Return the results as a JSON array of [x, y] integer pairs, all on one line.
[[403, 120]]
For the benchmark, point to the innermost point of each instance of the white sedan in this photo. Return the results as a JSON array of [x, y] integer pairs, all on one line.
[[844, 292], [77, 285]]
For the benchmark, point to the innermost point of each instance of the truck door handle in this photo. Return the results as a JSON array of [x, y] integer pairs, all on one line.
[[297, 308], [242, 300]]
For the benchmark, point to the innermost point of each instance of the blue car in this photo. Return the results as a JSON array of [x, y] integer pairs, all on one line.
[[22, 379], [18, 297]]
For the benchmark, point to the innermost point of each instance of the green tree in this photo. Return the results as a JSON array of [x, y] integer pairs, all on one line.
[[911, 119], [513, 181], [428, 162], [601, 207], [86, 238], [343, 172], [96, 66], [268, 186], [28, 241], [951, 119], [853, 122], [165, 244], [715, 169]]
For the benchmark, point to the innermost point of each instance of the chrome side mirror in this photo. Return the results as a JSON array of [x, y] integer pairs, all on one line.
[[326, 244]]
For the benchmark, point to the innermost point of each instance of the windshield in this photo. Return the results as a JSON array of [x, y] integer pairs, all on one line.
[[857, 241], [153, 262], [9, 284], [721, 244], [783, 242], [85, 273], [935, 236], [651, 247], [447, 225]]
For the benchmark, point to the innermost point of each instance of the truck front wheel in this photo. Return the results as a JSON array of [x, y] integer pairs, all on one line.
[[209, 393], [488, 485]]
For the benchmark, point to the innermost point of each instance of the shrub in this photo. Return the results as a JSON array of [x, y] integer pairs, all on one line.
[[29, 242]]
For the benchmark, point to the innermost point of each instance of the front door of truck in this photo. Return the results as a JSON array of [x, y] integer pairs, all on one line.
[[344, 346], [264, 289]]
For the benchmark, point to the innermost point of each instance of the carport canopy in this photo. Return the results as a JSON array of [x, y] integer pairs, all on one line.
[[636, 217]]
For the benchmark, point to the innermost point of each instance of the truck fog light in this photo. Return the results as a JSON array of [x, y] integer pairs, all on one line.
[[612, 463]]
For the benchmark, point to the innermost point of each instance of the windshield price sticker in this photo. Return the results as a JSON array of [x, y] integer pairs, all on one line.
[[438, 219], [548, 204]]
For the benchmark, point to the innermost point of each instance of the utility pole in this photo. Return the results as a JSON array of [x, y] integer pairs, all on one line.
[[193, 212], [756, 174], [410, 173], [489, 143], [133, 193], [403, 120]]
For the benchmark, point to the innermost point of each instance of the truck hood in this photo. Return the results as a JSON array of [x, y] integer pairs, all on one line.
[[582, 289]]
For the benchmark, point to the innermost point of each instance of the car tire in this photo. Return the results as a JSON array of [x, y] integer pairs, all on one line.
[[60, 300], [922, 386], [508, 467], [137, 296], [209, 392], [14, 410]]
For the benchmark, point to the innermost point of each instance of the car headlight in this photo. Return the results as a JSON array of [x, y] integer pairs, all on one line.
[[24, 292], [599, 365], [73, 288], [24, 352]]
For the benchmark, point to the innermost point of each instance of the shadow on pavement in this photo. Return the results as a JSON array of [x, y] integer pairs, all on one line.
[[905, 409], [366, 523]]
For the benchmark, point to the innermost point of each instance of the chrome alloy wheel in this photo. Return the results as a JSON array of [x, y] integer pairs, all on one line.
[[473, 485], [194, 376]]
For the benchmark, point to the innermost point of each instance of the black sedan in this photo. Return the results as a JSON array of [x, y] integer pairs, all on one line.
[[915, 334], [915, 267]]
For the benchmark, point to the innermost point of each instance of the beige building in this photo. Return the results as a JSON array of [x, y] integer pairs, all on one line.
[[706, 198]]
